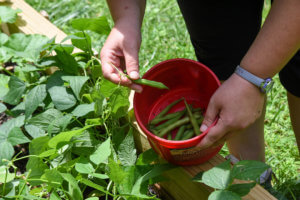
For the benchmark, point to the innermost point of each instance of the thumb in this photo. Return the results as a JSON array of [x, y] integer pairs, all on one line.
[[211, 114], [132, 62]]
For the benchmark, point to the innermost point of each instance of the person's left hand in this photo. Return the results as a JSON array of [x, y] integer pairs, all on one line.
[[237, 104]]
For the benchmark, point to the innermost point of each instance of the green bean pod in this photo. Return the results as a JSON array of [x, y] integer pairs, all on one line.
[[166, 117], [173, 126], [167, 123], [192, 119], [180, 132], [187, 134], [166, 109], [155, 84]]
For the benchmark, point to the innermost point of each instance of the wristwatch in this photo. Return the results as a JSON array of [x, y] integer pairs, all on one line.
[[265, 85]]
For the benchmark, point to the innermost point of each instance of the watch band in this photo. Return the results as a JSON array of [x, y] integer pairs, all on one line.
[[265, 85], [248, 76]]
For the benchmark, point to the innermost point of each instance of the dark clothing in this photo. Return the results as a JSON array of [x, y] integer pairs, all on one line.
[[222, 32]]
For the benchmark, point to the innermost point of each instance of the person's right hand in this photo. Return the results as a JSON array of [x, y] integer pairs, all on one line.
[[121, 49]]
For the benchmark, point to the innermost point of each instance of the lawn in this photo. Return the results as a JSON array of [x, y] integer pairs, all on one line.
[[164, 37]]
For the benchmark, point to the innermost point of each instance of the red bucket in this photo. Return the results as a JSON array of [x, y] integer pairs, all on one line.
[[185, 78]]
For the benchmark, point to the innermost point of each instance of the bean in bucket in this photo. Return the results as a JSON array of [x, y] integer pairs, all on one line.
[[186, 79]]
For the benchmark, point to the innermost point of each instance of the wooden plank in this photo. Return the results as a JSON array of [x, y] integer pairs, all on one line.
[[32, 22]]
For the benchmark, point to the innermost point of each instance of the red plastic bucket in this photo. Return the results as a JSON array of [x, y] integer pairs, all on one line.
[[185, 78]]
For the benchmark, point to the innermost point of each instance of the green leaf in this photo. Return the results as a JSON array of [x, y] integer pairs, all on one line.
[[8, 15], [65, 61], [147, 157], [3, 38], [26, 47], [6, 127], [248, 170], [83, 109], [48, 153], [224, 195], [5, 176], [65, 136], [99, 25], [54, 196], [34, 98], [100, 101], [83, 41], [93, 185], [46, 118], [241, 189], [16, 90], [116, 173], [2, 107], [62, 98], [16, 136], [6, 150], [218, 177], [53, 177], [34, 131], [76, 83], [127, 151], [102, 153], [107, 87], [37, 167], [100, 176], [4, 88], [84, 166], [73, 190], [55, 80], [92, 198], [38, 145], [119, 102]]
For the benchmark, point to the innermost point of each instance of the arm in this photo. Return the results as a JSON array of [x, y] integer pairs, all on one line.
[[123, 43], [238, 103]]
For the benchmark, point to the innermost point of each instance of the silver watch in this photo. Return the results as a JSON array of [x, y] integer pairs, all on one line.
[[265, 85]]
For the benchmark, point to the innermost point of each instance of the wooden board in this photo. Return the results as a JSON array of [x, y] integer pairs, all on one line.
[[180, 186]]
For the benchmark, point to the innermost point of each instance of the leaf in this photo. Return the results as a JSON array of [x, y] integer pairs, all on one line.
[[16, 90], [98, 25], [119, 102], [127, 151], [65, 61], [100, 101], [84, 166], [34, 131], [218, 177], [5, 176], [54, 196], [62, 98], [2, 107], [16, 136], [26, 47], [48, 153], [116, 173], [38, 145], [100, 176], [4, 88], [44, 119], [107, 87], [83, 109], [34, 98], [248, 170], [8, 15], [76, 83], [65, 136], [3, 37], [147, 157], [102, 153], [93, 185], [55, 80], [6, 150], [73, 189], [223, 195], [83, 42], [37, 167], [6, 127], [53, 177], [241, 189]]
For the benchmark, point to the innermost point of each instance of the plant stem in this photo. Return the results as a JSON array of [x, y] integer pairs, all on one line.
[[26, 178]]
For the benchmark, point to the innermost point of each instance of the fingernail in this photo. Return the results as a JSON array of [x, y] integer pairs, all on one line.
[[203, 128], [134, 75]]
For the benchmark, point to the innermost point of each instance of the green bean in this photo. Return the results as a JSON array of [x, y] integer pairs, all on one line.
[[169, 122], [167, 116], [187, 134], [173, 126], [192, 119], [166, 109], [140, 80], [180, 132], [169, 136], [150, 83]]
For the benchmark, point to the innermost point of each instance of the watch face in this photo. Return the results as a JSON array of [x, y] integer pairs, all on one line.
[[267, 85]]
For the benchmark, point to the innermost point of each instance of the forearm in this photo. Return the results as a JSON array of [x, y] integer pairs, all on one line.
[[129, 11], [277, 42]]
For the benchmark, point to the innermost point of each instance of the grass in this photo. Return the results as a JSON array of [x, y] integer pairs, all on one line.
[[165, 37]]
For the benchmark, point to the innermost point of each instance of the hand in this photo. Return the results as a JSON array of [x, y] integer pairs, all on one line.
[[121, 49], [237, 103]]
